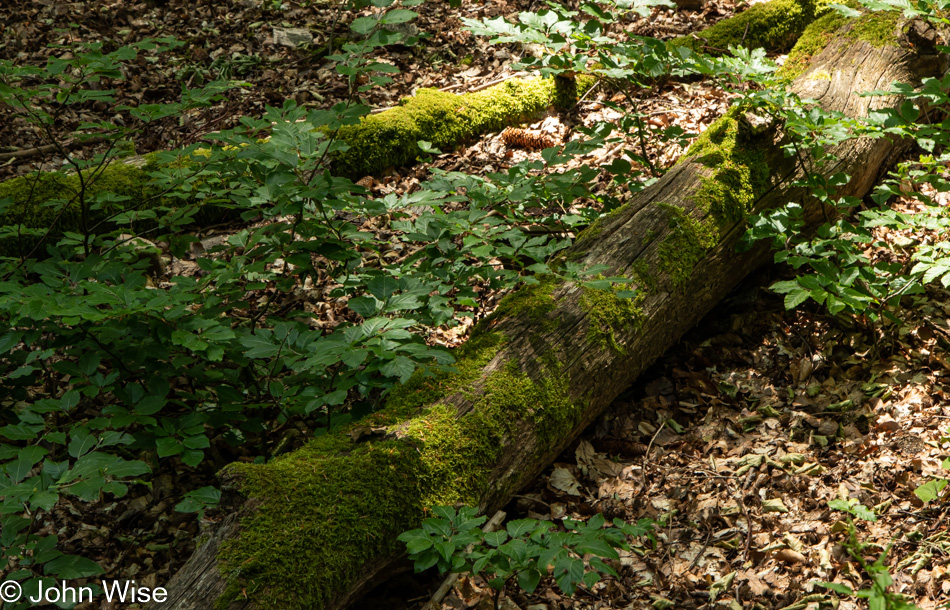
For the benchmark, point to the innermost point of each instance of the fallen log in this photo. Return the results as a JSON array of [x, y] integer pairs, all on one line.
[[379, 141], [317, 528]]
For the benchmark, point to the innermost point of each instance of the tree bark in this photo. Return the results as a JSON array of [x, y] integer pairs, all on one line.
[[568, 350]]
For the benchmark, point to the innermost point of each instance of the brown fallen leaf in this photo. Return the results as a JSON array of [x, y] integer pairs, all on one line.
[[790, 556]]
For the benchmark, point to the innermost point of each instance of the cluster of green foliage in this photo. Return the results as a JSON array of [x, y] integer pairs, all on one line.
[[878, 595], [524, 550]]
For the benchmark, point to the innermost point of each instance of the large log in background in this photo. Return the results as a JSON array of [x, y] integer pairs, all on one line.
[[317, 528]]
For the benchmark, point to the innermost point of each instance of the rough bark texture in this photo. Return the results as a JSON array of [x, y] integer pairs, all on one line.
[[558, 354]]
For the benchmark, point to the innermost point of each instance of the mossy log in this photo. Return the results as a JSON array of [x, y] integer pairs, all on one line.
[[377, 142], [775, 25], [317, 527]]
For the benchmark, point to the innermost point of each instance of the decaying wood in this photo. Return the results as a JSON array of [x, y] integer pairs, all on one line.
[[626, 242]]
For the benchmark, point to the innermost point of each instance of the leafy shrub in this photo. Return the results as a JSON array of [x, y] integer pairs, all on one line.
[[523, 551]]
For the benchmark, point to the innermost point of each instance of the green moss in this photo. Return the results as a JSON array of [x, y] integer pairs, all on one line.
[[812, 41], [326, 509], [425, 388], [641, 274], [774, 25], [534, 301], [609, 315], [334, 505], [389, 139], [879, 28], [875, 28], [687, 243], [585, 82], [597, 227], [565, 92], [739, 176], [52, 200]]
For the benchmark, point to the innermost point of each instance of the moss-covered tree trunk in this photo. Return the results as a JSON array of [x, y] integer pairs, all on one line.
[[317, 527]]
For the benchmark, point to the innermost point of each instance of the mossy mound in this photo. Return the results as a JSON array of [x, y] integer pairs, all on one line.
[[50, 201], [390, 139], [774, 25], [336, 504]]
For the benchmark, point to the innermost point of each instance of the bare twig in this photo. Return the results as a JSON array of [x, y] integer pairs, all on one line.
[[48, 148]]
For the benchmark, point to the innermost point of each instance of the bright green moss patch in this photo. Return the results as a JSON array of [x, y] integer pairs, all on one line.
[[458, 454], [425, 389], [334, 505], [740, 174], [687, 243], [879, 28], [327, 508], [534, 301], [774, 25], [609, 315], [389, 139], [812, 42]]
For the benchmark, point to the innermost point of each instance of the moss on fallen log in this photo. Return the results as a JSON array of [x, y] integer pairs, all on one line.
[[774, 25], [380, 141], [330, 507], [390, 139], [33, 210], [875, 28]]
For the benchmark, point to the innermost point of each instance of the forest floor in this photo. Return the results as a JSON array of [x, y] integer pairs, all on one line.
[[734, 442]]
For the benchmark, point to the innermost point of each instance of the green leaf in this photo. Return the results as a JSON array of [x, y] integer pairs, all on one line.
[[418, 545], [68, 567], [81, 442], [528, 580], [837, 587], [167, 446], [597, 547], [20, 468], [863, 512], [382, 287], [402, 302], [364, 306], [930, 491], [399, 15], [400, 367], [121, 468], [520, 527], [839, 504], [199, 499], [20, 432], [150, 405], [363, 25], [496, 538], [259, 345], [192, 457]]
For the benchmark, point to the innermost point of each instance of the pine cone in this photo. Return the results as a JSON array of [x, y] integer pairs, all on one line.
[[524, 138]]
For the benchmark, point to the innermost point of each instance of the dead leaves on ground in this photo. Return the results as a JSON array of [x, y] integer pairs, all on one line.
[[736, 445]]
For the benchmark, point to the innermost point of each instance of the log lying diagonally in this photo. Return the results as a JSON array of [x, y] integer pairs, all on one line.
[[317, 527]]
